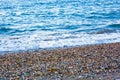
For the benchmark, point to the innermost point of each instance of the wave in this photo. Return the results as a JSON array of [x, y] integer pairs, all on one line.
[[5, 30], [114, 26], [103, 31], [11, 31], [95, 31]]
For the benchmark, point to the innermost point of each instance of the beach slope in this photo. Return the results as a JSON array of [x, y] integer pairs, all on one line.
[[92, 62]]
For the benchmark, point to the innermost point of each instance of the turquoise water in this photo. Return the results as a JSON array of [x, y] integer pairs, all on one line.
[[43, 24]]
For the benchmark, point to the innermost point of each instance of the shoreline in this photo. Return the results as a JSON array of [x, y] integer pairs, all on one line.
[[91, 62], [2, 53]]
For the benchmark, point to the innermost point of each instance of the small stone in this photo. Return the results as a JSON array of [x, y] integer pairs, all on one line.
[[80, 76]]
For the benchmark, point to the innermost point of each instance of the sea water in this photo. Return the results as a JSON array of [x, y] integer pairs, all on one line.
[[43, 24]]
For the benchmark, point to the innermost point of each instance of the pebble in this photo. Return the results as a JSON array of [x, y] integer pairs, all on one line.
[[73, 63]]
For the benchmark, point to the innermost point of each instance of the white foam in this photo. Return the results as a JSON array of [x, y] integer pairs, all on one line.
[[37, 41], [3, 13]]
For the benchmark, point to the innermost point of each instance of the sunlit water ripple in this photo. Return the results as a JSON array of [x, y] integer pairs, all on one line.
[[44, 24]]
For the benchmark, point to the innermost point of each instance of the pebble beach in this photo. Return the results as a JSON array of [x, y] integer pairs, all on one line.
[[59, 39], [92, 62]]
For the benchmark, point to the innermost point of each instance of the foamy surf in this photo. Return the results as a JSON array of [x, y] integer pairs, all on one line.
[[33, 24]]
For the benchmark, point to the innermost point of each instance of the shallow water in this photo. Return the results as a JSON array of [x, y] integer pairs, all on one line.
[[43, 24]]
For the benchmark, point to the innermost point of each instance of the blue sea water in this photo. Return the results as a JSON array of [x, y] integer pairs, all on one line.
[[44, 24]]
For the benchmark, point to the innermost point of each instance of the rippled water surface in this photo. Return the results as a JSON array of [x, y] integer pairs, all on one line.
[[43, 24]]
